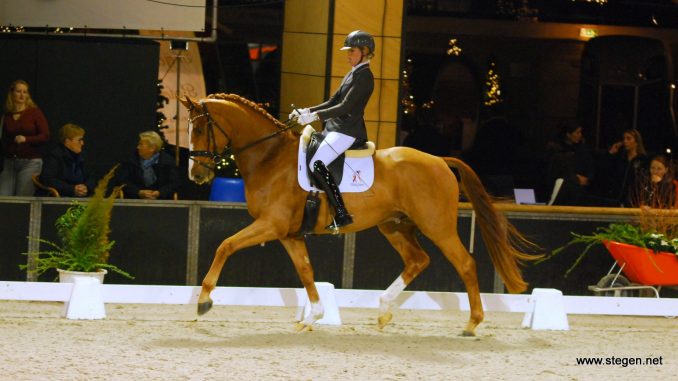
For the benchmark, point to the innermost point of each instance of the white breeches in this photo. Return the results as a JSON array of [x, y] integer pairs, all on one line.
[[335, 144]]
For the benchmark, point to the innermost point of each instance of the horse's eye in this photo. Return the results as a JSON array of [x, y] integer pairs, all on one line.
[[197, 130]]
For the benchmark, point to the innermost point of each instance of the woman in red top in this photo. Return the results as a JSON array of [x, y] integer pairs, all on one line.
[[24, 131]]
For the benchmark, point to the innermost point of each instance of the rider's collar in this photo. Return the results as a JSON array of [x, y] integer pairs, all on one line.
[[354, 68]]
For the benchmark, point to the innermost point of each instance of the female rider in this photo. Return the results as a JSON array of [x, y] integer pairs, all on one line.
[[343, 115]]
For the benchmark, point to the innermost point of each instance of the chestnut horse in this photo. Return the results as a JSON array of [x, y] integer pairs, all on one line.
[[412, 190]]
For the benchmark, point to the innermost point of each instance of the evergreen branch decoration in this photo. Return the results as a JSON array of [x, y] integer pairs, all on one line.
[[652, 240], [83, 231]]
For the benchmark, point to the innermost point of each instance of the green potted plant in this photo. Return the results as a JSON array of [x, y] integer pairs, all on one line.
[[646, 250], [83, 232]]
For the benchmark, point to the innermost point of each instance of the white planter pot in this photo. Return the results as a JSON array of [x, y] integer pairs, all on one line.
[[66, 276]]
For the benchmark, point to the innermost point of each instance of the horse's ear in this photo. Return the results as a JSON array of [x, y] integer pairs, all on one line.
[[188, 103]]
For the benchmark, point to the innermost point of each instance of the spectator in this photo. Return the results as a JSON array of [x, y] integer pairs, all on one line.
[[658, 190], [24, 131], [625, 162], [571, 159], [64, 166], [151, 173]]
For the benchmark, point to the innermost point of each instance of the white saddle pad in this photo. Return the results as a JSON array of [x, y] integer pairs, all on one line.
[[358, 172]]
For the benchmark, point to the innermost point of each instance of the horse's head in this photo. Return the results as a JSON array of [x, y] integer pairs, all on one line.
[[216, 130], [208, 140]]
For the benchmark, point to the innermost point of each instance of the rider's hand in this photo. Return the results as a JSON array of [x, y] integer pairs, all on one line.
[[305, 119], [296, 112]]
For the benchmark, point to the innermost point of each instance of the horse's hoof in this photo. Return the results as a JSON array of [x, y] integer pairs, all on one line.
[[384, 319], [301, 327], [466, 333], [204, 307]]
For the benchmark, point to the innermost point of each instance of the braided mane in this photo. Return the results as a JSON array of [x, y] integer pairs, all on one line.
[[249, 103]]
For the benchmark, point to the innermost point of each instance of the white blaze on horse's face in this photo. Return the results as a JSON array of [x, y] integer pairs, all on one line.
[[190, 147], [199, 172]]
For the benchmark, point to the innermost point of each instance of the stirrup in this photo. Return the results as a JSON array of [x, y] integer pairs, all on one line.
[[339, 222]]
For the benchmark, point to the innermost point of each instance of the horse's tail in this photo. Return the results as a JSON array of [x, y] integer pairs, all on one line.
[[504, 242]]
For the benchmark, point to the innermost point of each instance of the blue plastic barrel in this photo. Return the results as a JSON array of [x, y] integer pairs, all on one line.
[[227, 189]]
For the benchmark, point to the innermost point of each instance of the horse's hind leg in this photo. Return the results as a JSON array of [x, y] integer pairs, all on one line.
[[465, 265], [296, 249], [402, 237]]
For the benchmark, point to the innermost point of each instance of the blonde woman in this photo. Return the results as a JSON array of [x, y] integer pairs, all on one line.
[[151, 174], [64, 166], [626, 161], [343, 116], [24, 132]]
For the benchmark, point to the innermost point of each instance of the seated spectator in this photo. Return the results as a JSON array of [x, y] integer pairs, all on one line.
[[64, 166], [625, 162], [151, 173], [571, 159], [658, 190]]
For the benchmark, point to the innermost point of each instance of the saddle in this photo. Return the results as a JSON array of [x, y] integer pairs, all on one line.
[[358, 158], [312, 139]]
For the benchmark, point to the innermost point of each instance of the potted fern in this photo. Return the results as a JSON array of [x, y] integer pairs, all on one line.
[[83, 232]]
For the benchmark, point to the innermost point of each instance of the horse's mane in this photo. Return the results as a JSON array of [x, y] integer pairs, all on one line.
[[249, 103]]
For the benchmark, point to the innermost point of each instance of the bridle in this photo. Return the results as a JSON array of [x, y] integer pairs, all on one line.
[[218, 159]]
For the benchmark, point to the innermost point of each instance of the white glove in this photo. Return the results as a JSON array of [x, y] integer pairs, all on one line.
[[305, 119], [297, 112]]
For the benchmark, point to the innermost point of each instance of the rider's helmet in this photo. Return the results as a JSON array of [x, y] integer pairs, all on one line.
[[358, 39]]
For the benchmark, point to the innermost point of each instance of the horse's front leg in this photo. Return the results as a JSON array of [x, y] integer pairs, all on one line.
[[296, 249], [261, 230]]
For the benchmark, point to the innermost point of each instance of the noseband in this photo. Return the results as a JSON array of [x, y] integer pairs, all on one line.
[[218, 159]]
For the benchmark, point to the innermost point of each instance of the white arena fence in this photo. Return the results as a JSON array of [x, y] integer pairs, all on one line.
[[345, 298]]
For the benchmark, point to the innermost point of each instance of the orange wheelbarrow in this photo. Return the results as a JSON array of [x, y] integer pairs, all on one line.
[[643, 269]]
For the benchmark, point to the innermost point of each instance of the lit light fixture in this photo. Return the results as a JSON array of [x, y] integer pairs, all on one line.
[[454, 50], [588, 32], [492, 86]]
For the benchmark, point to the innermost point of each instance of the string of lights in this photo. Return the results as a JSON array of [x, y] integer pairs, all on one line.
[[492, 86]]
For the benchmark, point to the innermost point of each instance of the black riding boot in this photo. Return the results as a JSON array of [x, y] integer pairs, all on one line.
[[324, 178]]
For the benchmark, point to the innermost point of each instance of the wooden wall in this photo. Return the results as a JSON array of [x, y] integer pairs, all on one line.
[[313, 66]]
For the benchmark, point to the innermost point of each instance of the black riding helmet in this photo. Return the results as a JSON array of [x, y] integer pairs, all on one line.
[[357, 39]]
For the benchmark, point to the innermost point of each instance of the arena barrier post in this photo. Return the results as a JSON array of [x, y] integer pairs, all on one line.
[[86, 301], [547, 310], [329, 301]]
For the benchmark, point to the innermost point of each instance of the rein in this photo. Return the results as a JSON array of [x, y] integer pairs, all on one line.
[[219, 158]]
